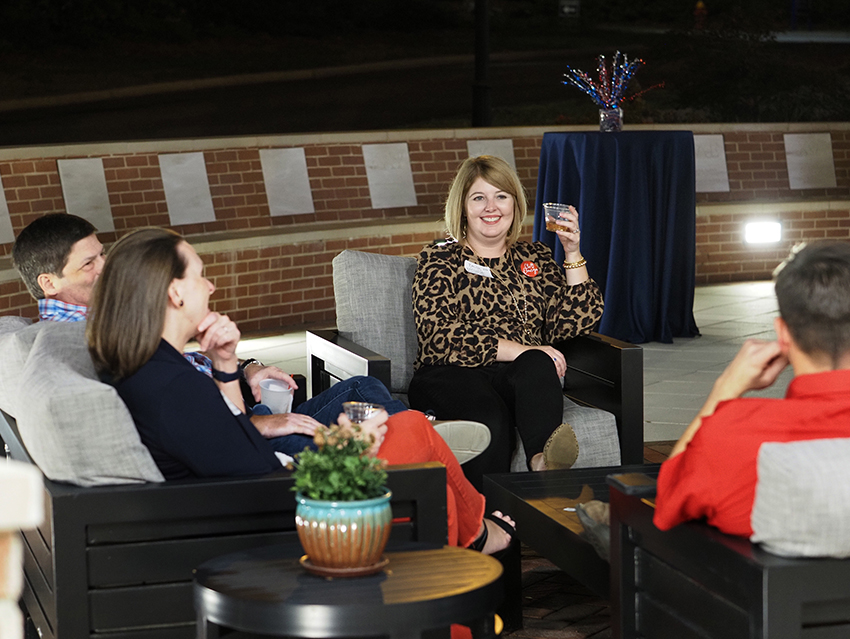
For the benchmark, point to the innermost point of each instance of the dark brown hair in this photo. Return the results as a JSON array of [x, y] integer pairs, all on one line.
[[44, 246], [127, 314], [813, 292]]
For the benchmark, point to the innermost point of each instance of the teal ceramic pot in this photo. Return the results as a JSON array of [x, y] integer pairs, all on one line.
[[344, 534]]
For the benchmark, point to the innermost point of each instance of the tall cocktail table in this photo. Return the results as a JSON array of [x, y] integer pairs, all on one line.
[[266, 591], [536, 501]]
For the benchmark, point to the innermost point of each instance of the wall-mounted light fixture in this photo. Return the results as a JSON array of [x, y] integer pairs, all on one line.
[[762, 232]]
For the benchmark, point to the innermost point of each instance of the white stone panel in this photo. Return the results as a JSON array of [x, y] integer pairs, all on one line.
[[187, 188], [6, 233], [500, 148], [809, 159], [287, 182], [710, 164], [84, 189], [389, 175]]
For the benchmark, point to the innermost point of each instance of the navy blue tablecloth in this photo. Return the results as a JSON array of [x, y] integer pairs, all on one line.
[[635, 194]]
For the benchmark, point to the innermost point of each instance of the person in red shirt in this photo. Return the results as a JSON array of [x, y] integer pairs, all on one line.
[[712, 471]]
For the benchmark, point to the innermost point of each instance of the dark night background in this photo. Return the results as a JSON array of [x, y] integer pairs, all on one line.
[[733, 68]]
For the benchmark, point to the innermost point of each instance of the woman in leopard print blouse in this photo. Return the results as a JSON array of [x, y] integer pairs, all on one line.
[[487, 307]]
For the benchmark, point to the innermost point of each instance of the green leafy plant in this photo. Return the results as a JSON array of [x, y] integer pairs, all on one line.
[[342, 468]]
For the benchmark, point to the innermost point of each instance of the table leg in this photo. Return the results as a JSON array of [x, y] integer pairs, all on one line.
[[510, 610], [484, 628], [206, 629]]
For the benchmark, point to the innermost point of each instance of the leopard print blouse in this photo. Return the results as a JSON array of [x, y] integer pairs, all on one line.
[[461, 313]]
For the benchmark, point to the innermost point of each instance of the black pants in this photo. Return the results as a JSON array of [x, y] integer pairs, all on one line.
[[524, 394]]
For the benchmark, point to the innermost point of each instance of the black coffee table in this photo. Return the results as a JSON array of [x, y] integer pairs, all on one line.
[[266, 591], [536, 501]]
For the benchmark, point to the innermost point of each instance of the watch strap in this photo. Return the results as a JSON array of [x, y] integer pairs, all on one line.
[[221, 376]]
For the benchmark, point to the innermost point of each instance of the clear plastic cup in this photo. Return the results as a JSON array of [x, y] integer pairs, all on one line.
[[276, 395], [552, 211]]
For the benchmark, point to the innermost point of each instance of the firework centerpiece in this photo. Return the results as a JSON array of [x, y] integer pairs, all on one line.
[[609, 90]]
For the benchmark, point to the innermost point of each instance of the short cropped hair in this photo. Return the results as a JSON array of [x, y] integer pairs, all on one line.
[[494, 171], [813, 290], [44, 246], [127, 315]]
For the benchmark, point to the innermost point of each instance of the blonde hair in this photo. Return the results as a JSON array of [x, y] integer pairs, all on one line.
[[494, 171], [127, 314]]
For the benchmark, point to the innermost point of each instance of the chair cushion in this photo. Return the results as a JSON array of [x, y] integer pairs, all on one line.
[[374, 308], [802, 503], [16, 338], [596, 432], [76, 428]]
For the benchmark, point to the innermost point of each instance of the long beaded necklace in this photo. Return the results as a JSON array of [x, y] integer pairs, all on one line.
[[522, 313]]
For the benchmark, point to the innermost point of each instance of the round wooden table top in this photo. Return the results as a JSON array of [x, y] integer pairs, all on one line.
[[266, 590]]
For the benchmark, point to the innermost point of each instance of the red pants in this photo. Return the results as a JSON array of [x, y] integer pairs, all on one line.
[[411, 439]]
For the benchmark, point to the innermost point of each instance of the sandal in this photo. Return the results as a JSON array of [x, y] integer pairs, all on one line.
[[481, 541], [478, 543]]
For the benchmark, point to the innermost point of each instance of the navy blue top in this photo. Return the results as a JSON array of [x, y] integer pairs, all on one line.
[[186, 424]]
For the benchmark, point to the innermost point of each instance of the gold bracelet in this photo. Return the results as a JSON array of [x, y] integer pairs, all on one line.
[[579, 264]]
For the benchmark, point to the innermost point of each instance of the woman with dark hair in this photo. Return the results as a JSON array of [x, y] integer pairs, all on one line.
[[488, 308], [150, 301]]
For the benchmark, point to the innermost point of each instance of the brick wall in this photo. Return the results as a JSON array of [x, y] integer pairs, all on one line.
[[759, 189], [755, 161], [722, 256], [275, 271]]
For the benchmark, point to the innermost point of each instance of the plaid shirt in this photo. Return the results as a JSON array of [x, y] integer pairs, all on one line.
[[200, 361], [55, 311], [52, 310]]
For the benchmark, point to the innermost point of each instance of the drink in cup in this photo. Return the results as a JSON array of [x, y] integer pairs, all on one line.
[[359, 412], [552, 212], [276, 395]]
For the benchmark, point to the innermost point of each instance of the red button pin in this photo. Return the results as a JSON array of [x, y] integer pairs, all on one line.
[[529, 268]]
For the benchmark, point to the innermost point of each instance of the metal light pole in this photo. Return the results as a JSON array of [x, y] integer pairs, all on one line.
[[481, 108]]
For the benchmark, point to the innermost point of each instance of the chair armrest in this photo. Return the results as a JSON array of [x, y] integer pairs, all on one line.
[[332, 358], [607, 373], [13, 447]]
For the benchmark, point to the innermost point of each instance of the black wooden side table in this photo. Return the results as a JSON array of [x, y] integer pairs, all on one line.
[[265, 590]]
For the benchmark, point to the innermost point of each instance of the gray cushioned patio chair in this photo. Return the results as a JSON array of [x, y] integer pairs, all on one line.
[[376, 336]]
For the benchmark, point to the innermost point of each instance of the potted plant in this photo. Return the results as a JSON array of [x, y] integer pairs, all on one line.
[[343, 516]]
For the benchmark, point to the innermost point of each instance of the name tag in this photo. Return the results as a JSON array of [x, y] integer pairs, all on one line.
[[477, 269]]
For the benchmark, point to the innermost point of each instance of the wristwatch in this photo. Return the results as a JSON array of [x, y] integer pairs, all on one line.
[[245, 363]]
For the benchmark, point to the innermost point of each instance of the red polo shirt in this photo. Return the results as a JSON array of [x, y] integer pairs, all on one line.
[[715, 477]]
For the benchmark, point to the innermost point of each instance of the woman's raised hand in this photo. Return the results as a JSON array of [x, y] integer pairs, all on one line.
[[569, 235], [218, 337]]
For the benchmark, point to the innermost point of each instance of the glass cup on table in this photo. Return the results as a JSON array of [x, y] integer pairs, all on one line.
[[552, 211], [359, 412]]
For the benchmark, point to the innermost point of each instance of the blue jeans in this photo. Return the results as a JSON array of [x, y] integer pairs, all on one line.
[[286, 444], [326, 407]]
